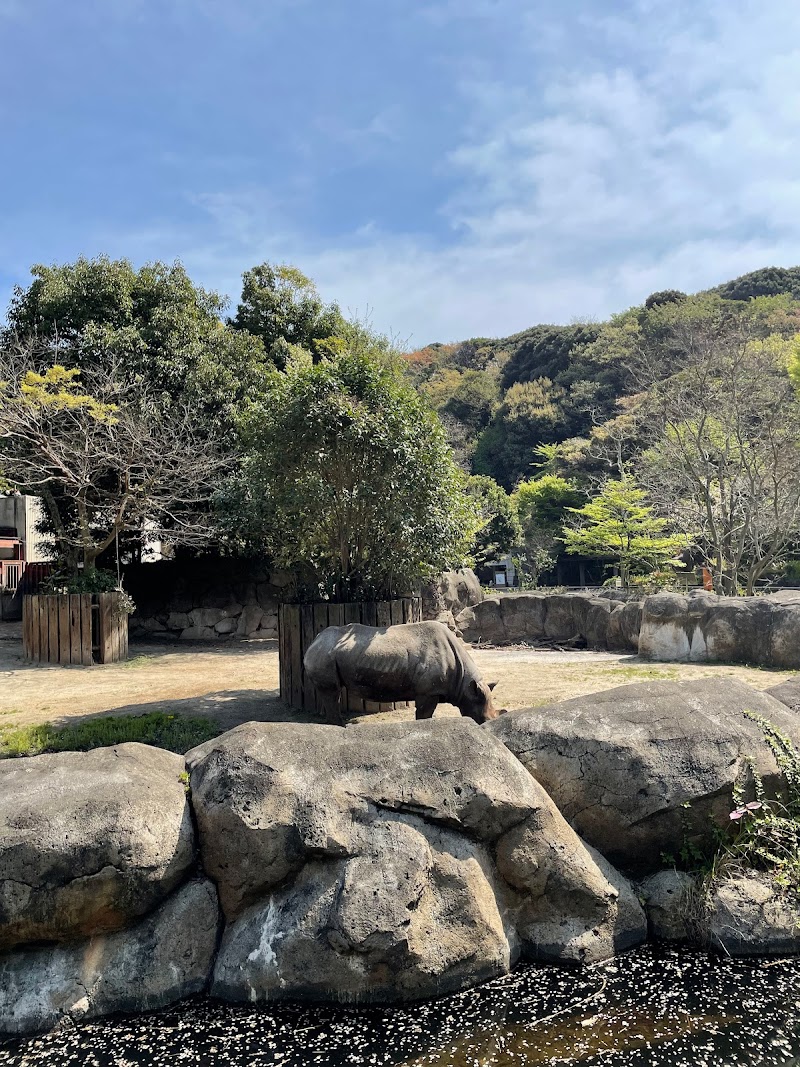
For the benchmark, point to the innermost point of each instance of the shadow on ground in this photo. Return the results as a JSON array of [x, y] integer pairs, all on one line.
[[229, 708]]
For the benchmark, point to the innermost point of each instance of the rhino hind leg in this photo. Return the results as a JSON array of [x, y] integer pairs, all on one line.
[[425, 707]]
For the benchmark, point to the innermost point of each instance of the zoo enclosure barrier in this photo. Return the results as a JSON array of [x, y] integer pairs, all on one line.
[[299, 624]]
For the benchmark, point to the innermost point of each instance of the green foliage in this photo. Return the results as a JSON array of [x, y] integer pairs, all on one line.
[[531, 414], [769, 281], [766, 832], [347, 479], [282, 307], [153, 325], [172, 732], [541, 505], [94, 580], [665, 296], [500, 531], [618, 523]]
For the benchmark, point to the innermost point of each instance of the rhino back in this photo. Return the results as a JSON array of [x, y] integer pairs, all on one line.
[[398, 662]]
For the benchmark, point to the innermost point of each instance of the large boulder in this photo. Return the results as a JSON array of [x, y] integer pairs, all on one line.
[[643, 769], [160, 959], [401, 861], [453, 591], [624, 624], [703, 627], [89, 841], [749, 915]]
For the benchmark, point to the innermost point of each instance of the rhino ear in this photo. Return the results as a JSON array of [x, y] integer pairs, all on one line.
[[491, 685]]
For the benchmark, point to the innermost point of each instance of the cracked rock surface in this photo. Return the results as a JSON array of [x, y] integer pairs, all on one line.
[[749, 915], [405, 860], [642, 769], [158, 960], [89, 841]]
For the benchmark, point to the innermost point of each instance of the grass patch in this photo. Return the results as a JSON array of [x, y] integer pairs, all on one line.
[[640, 674], [172, 732], [136, 661]]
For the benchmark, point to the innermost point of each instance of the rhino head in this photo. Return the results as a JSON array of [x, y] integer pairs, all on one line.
[[478, 703]]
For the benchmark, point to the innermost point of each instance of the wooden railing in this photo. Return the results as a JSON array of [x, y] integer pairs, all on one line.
[[74, 628], [11, 574]]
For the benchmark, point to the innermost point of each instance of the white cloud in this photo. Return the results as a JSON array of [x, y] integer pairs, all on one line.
[[662, 153]]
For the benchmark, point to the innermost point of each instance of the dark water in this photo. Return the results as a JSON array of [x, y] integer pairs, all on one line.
[[650, 1008]]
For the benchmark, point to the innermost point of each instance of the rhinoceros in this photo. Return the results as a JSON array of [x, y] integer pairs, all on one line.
[[419, 661]]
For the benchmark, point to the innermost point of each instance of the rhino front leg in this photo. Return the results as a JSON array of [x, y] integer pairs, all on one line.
[[425, 707], [332, 706]]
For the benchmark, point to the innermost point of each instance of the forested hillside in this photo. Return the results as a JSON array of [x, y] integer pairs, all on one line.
[[504, 401]]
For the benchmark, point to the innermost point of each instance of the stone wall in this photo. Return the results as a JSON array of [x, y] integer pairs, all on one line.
[[205, 599], [697, 628], [575, 619], [222, 599], [704, 628]]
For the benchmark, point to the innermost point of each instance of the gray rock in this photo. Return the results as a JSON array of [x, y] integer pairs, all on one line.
[[178, 620], [523, 616], [640, 769], [748, 915], [160, 959], [390, 862], [249, 620], [788, 693], [624, 624], [482, 622], [452, 591], [207, 618], [566, 616], [198, 633], [89, 841], [667, 897], [226, 626]]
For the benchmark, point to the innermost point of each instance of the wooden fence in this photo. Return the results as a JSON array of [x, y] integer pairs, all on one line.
[[299, 624], [72, 628]]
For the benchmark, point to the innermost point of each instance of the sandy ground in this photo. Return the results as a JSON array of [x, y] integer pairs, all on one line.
[[235, 683]]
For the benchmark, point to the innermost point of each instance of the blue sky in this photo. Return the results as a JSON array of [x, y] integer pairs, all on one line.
[[457, 167]]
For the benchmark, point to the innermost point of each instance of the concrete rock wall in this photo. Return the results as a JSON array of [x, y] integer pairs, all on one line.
[[696, 628], [385, 862], [579, 619], [704, 628]]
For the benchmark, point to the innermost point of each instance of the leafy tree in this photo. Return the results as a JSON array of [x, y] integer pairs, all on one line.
[[665, 296], [541, 504], [282, 307], [500, 531], [769, 281], [347, 477], [618, 523], [155, 328], [723, 455], [102, 455], [530, 415]]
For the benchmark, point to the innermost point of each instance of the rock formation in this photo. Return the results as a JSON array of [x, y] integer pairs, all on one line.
[[391, 862], [640, 769]]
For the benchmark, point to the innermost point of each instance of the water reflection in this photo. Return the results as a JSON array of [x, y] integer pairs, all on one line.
[[652, 1007]]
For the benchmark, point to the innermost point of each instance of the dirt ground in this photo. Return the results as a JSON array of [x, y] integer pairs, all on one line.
[[235, 683]]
